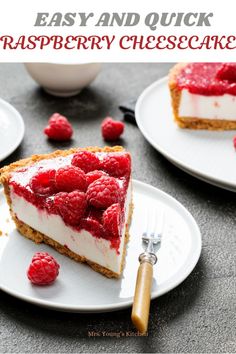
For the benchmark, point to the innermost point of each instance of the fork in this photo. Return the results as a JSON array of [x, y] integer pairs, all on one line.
[[151, 243]]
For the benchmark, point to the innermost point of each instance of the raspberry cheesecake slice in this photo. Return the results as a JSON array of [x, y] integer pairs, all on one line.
[[203, 95], [78, 201]]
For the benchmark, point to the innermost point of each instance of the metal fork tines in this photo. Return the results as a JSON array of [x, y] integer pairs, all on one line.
[[151, 238]]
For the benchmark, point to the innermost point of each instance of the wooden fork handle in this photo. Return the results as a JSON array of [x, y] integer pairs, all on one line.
[[141, 304]]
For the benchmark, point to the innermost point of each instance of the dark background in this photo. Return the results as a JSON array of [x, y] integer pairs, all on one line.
[[197, 316]]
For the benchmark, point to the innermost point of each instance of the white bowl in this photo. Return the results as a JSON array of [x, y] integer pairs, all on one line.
[[63, 79]]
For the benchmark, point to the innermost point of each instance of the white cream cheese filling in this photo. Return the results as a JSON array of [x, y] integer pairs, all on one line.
[[83, 243], [208, 107]]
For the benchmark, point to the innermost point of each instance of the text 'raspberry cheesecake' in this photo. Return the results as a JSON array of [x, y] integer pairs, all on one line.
[[78, 201], [203, 95]]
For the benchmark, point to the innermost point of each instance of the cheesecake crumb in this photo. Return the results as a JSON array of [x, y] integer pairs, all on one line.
[[1, 233]]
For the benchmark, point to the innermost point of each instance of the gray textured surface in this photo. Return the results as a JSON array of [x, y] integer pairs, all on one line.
[[199, 315]]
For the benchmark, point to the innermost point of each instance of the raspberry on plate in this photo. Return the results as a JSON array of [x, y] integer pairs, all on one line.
[[86, 160], [111, 219], [43, 269], [116, 165], [59, 128], [93, 175], [71, 206], [70, 178], [43, 183], [103, 192], [111, 129]]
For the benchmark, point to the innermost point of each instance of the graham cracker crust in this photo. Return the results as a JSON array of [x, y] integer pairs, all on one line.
[[37, 236], [192, 122]]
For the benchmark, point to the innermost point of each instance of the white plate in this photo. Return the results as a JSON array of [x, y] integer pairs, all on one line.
[[11, 129], [80, 289], [208, 155]]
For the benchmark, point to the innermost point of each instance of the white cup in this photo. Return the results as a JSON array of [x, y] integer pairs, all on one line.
[[63, 80]]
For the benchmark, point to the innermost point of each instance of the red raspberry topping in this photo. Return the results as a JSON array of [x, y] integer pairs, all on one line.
[[58, 128], [92, 225], [117, 165], [111, 220], [43, 269], [43, 183], [111, 129], [71, 206], [86, 160], [93, 175], [227, 72], [70, 178], [103, 192], [94, 213]]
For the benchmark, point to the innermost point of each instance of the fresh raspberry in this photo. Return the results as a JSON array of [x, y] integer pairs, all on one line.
[[116, 164], [71, 206], [227, 71], [57, 116], [43, 269], [93, 175], [112, 219], [43, 182], [58, 128], [103, 192], [111, 129], [86, 160], [92, 225], [70, 178]]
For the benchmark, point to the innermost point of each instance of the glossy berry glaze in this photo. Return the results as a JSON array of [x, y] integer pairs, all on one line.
[[92, 220], [204, 79]]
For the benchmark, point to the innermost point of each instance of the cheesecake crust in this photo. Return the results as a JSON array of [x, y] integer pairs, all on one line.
[[38, 237], [192, 122]]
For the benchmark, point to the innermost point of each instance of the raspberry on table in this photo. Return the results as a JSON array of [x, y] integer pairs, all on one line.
[[86, 160], [111, 129], [93, 175], [71, 206], [103, 192], [57, 116], [43, 269], [58, 128], [111, 220], [227, 72], [43, 182], [116, 164], [70, 178]]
